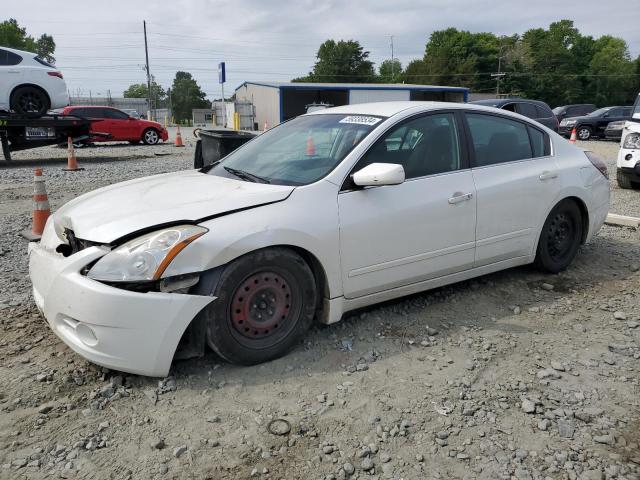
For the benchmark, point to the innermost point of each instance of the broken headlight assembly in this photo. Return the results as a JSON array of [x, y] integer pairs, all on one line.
[[145, 258]]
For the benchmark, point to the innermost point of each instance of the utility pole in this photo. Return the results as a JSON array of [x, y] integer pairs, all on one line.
[[392, 61], [146, 54], [498, 76]]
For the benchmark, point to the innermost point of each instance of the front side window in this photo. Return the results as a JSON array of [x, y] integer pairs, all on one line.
[[528, 110], [615, 112], [115, 114], [498, 139], [298, 152], [424, 146]]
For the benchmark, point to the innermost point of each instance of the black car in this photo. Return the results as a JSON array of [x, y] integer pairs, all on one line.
[[614, 130], [535, 109], [594, 124], [576, 110]]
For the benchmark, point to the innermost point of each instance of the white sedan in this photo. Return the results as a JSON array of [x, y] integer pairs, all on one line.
[[326, 213], [30, 85]]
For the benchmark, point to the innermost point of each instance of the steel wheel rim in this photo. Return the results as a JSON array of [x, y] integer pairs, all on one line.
[[560, 236], [151, 136], [583, 134], [263, 309]]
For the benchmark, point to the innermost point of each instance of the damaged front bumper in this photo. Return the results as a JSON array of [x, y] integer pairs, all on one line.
[[116, 328]]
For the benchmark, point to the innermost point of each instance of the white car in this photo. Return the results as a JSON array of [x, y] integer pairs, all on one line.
[[326, 213], [628, 164], [29, 85]]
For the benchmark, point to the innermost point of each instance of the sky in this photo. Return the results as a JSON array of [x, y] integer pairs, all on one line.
[[100, 45]]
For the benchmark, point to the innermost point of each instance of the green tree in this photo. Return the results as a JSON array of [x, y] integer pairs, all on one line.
[[186, 95], [342, 61], [14, 36], [139, 90], [611, 73], [390, 71]]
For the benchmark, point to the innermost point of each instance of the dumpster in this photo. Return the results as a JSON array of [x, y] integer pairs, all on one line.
[[212, 145]]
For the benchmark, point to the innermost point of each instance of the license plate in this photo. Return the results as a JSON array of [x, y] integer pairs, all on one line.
[[39, 132]]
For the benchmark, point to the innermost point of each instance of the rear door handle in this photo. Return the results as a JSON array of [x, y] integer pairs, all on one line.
[[547, 175], [460, 197]]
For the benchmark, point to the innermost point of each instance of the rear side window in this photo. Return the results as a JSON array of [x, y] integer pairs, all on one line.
[[539, 142], [528, 110], [626, 112], [498, 139], [571, 111], [543, 112], [8, 58]]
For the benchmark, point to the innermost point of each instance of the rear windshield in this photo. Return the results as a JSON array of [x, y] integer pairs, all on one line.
[[298, 152], [42, 61]]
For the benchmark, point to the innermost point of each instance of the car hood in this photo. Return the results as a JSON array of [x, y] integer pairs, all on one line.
[[112, 212]]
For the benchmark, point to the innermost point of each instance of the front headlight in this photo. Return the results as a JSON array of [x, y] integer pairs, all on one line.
[[632, 141], [568, 123], [145, 258]]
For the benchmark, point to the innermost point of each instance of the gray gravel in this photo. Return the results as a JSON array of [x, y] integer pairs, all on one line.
[[512, 375]]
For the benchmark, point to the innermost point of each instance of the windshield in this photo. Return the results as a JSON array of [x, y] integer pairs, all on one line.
[[297, 152], [558, 110], [599, 112]]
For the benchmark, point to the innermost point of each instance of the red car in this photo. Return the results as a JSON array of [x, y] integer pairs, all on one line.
[[119, 125]]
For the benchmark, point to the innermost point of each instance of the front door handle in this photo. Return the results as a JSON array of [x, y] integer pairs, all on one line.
[[547, 175], [460, 197]]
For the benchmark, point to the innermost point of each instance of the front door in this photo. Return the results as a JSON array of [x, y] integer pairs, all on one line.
[[516, 182], [424, 228]]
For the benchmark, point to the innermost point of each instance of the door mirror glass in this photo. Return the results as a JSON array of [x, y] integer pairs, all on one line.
[[379, 174]]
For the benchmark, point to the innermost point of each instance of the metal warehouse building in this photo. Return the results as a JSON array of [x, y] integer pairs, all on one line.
[[276, 102]]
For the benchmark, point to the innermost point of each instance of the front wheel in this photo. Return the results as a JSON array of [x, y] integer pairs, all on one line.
[[265, 302], [560, 237], [150, 136], [584, 133]]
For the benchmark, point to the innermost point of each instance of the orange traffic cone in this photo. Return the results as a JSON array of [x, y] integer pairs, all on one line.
[[178, 142], [574, 135], [311, 148], [41, 208], [72, 161]]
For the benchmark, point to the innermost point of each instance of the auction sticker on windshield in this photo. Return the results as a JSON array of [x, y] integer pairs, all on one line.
[[360, 120]]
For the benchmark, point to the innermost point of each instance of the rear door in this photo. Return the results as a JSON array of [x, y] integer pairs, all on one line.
[[611, 115], [10, 75], [515, 179]]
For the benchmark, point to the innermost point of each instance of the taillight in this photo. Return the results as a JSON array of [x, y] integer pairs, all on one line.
[[55, 74], [597, 162]]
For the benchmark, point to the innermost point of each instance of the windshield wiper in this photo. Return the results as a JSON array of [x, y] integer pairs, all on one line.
[[246, 175]]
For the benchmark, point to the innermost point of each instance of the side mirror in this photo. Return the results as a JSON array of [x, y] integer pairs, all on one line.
[[379, 174]]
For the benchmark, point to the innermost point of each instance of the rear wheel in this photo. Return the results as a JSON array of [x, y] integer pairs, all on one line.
[[265, 303], [150, 136], [29, 101], [624, 181], [584, 133], [560, 238]]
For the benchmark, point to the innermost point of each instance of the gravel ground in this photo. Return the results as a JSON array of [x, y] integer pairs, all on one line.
[[512, 375]]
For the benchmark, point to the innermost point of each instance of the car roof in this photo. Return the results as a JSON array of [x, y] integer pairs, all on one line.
[[92, 106], [22, 53], [389, 109], [498, 102]]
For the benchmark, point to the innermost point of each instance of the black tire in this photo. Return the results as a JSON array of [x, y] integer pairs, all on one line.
[[150, 136], [30, 101], [198, 161], [584, 133], [623, 180], [274, 282], [560, 237]]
